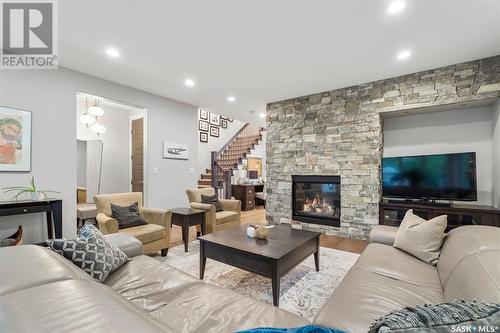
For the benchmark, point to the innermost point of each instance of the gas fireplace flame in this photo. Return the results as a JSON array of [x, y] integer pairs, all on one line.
[[318, 205]]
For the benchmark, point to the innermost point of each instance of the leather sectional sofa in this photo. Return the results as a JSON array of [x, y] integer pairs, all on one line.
[[41, 291]]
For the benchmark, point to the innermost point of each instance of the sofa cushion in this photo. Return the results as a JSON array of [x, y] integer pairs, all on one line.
[[91, 252], [398, 265], [73, 306], [225, 216], [27, 266], [421, 238], [213, 309], [369, 290], [148, 283], [146, 233]]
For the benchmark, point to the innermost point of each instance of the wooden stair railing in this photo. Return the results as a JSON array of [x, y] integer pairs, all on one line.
[[227, 159]]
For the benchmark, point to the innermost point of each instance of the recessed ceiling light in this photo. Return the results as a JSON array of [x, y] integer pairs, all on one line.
[[112, 52], [262, 115], [189, 82], [404, 55], [396, 7], [231, 99]]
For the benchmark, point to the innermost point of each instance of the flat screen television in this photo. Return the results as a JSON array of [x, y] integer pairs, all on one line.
[[434, 177]]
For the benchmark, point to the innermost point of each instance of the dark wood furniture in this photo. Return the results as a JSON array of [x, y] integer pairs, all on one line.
[[273, 257], [52, 209], [246, 194], [188, 217], [391, 213]]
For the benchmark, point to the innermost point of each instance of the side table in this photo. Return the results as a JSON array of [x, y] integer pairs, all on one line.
[[185, 218]]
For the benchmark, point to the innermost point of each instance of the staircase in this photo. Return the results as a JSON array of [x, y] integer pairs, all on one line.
[[231, 155]]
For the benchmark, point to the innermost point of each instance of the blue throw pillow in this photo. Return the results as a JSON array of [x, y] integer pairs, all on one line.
[[303, 329]]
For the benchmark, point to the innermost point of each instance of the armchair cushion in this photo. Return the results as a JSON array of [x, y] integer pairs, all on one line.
[[127, 216], [226, 216], [212, 200], [232, 205], [146, 233]]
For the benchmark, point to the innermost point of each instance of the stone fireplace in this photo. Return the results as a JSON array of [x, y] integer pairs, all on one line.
[[339, 132], [316, 199]]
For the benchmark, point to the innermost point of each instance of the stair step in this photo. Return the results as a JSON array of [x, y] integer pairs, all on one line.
[[204, 181], [206, 176]]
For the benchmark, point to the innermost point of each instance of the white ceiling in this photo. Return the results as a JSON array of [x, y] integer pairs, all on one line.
[[267, 50]]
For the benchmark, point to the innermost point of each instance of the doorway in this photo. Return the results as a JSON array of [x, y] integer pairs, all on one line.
[[137, 154], [120, 133]]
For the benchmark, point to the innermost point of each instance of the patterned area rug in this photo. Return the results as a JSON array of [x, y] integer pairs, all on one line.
[[303, 290]]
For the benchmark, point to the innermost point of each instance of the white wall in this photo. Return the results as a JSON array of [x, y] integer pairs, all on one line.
[[115, 174], [216, 144], [50, 95], [495, 151], [464, 130]]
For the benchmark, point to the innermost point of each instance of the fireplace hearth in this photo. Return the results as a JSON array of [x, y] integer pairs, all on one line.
[[316, 199]]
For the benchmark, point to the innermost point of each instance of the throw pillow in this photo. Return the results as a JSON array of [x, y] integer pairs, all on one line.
[[91, 252], [458, 316], [212, 200], [421, 238], [127, 216]]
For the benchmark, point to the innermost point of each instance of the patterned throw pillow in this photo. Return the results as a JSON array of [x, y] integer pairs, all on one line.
[[91, 252], [212, 200], [457, 316], [127, 216]]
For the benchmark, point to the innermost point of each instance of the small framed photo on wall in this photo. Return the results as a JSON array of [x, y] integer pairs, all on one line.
[[214, 119], [214, 131], [203, 137], [203, 114], [15, 140], [203, 125], [223, 123]]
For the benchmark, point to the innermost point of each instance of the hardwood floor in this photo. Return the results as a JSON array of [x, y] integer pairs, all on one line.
[[258, 216]]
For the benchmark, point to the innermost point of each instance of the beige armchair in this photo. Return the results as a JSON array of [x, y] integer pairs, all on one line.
[[155, 236], [230, 217]]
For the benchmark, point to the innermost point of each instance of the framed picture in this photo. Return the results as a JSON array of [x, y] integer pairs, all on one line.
[[230, 120], [203, 125], [214, 119], [214, 131], [223, 123], [203, 137], [203, 114], [15, 140], [175, 151]]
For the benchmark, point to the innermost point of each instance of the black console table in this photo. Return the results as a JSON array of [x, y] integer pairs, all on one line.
[[52, 208], [391, 213]]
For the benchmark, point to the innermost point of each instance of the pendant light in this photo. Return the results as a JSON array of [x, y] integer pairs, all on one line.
[[95, 110], [98, 128]]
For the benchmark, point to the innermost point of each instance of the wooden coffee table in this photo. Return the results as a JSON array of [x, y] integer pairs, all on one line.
[[273, 257]]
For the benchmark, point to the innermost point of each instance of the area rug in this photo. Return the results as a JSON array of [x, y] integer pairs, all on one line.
[[303, 290]]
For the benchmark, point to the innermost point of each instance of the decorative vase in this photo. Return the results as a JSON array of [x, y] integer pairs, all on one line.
[[261, 232], [35, 196]]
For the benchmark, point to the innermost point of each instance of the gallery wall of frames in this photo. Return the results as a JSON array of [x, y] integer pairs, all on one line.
[[210, 125]]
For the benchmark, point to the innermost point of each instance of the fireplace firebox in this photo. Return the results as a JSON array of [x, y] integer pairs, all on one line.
[[316, 199]]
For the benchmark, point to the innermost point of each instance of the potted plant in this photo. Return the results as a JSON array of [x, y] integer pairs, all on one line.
[[36, 193]]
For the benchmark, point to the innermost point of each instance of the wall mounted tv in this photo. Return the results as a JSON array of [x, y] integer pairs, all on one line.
[[430, 177]]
